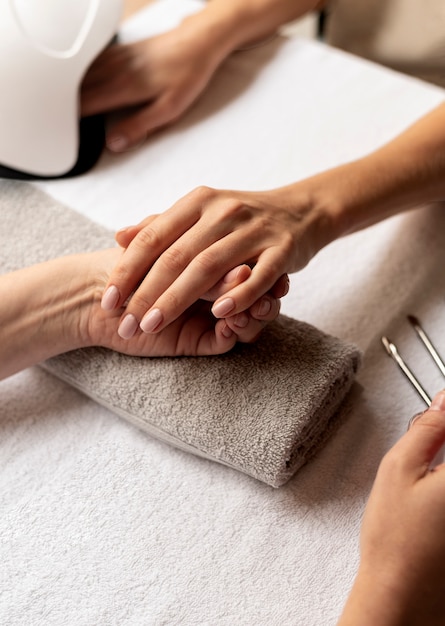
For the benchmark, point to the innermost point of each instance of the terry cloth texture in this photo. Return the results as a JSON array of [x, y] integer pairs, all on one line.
[[264, 409]]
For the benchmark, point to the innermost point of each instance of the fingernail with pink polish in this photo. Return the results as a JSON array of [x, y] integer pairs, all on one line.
[[438, 403], [227, 332], [223, 308], [151, 321], [118, 143], [264, 306], [127, 327], [110, 298], [241, 320]]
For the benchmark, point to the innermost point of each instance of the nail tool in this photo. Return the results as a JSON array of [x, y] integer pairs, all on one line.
[[392, 351], [415, 323]]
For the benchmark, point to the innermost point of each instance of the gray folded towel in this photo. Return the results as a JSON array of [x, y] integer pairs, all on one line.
[[264, 408]]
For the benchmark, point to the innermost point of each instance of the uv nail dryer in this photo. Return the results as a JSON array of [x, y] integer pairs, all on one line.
[[46, 47]]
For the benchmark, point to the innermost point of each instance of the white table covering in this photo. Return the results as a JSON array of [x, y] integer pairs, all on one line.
[[101, 524]]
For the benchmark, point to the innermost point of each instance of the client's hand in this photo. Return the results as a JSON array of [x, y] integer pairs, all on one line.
[[401, 579]]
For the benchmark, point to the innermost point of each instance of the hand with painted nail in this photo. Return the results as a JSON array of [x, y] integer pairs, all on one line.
[[173, 259], [54, 307], [401, 578], [247, 325]]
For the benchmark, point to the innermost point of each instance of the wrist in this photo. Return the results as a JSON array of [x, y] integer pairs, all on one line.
[[391, 598], [47, 314], [373, 600], [65, 301], [356, 195], [226, 25], [213, 32]]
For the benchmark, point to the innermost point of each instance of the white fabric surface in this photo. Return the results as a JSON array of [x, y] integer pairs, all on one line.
[[101, 524]]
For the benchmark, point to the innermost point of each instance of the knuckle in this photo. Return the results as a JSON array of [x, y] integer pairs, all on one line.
[[202, 194], [147, 238], [206, 263], [234, 210], [139, 303], [287, 243], [271, 272], [174, 260], [119, 276]]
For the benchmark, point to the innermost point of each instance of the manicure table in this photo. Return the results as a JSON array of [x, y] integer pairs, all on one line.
[[101, 524]]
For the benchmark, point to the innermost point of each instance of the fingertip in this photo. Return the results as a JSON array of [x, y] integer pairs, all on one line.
[[127, 134], [125, 236], [117, 143], [241, 320], [438, 402], [222, 339], [223, 307], [225, 330], [266, 308], [414, 419], [281, 287], [237, 274], [110, 298]]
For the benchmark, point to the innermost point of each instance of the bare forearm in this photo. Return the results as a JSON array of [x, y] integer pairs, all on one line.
[[41, 313], [407, 172], [230, 24]]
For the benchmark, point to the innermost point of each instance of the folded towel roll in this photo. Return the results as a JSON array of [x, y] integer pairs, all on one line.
[[264, 409]]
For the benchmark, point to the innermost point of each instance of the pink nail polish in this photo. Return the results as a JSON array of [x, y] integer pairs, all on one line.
[[241, 320], [223, 308], [110, 298], [227, 332], [127, 327], [151, 321], [264, 307], [118, 143]]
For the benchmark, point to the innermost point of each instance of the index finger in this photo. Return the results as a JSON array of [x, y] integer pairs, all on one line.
[[152, 237]]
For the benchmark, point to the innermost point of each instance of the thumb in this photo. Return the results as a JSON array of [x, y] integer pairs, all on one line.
[[426, 436]]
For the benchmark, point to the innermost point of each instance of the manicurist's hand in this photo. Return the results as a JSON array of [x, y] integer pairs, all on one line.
[[173, 259], [401, 578]]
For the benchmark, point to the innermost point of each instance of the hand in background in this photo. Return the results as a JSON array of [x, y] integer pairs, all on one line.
[[160, 77], [153, 82]]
